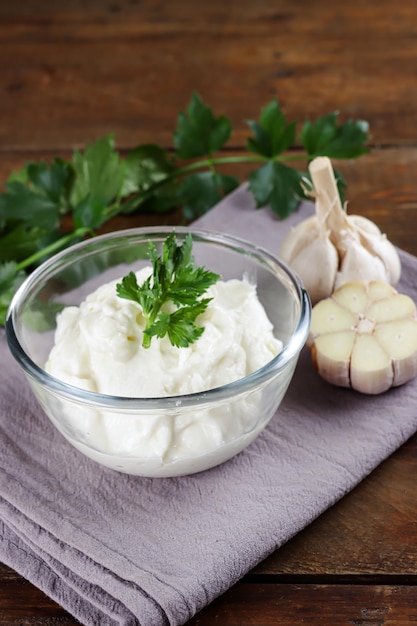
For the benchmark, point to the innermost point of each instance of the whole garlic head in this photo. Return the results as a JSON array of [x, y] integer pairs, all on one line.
[[332, 248]]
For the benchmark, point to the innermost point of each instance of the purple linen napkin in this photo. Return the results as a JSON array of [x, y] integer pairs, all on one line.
[[120, 550]]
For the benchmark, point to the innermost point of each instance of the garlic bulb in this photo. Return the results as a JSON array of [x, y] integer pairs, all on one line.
[[365, 336], [332, 247]]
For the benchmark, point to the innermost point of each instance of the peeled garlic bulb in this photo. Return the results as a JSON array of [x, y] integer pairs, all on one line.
[[332, 247], [365, 337]]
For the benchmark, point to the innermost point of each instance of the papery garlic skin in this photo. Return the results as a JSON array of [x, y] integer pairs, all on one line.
[[332, 247], [365, 337], [325, 256]]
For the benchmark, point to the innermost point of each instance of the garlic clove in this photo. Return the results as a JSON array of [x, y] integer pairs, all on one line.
[[371, 371], [400, 338], [298, 238], [353, 297], [329, 317], [331, 356], [378, 291], [359, 264], [395, 307], [365, 336], [318, 264], [365, 225], [378, 245]]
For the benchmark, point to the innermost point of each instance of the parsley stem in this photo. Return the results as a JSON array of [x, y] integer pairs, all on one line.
[[198, 165], [253, 158], [137, 199], [53, 247]]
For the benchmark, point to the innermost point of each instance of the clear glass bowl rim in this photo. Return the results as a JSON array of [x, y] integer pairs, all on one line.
[[243, 385]]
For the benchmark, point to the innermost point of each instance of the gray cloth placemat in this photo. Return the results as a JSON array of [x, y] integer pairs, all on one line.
[[114, 549]]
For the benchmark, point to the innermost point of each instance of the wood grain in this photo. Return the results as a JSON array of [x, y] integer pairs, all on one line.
[[65, 80], [253, 605], [22, 604], [280, 605]]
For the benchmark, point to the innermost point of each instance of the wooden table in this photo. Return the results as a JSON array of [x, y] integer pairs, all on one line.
[[74, 71]]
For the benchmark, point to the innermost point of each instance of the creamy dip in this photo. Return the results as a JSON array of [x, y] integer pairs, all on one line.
[[98, 347]]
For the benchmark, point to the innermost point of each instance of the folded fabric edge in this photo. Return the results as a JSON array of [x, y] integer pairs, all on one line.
[[87, 600], [18, 555]]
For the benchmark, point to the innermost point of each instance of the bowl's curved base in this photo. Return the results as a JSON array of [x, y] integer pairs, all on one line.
[[154, 467]]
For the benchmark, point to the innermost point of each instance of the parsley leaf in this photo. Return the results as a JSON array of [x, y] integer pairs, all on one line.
[[19, 242], [175, 280], [272, 134], [90, 213], [146, 165], [11, 277], [20, 202], [180, 325], [278, 186], [149, 170], [199, 132], [53, 181], [199, 192], [99, 172], [325, 137]]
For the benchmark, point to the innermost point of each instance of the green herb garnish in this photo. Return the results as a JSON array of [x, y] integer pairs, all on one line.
[[46, 207], [175, 280]]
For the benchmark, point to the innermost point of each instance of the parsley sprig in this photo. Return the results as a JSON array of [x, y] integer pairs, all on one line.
[[46, 207], [176, 280]]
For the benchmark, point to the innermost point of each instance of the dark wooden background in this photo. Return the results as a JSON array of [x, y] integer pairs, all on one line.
[[76, 70]]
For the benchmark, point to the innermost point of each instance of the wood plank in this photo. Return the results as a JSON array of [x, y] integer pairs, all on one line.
[[315, 605], [251, 604], [22, 604], [67, 85], [115, 20], [115, 92]]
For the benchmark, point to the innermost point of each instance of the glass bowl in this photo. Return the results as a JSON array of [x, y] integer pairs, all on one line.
[[190, 433]]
